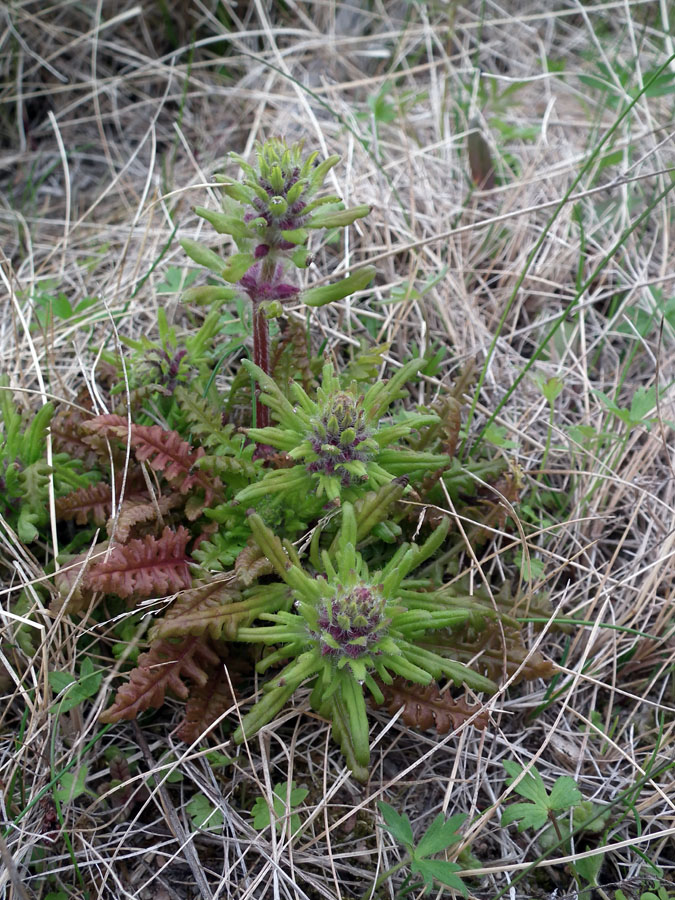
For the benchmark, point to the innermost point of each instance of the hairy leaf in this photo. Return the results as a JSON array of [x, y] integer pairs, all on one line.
[[161, 669], [144, 567]]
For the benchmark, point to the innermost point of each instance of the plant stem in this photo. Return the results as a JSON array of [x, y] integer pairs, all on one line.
[[370, 892], [261, 342], [261, 357], [556, 825]]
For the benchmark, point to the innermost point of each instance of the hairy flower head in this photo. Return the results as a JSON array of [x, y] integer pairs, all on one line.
[[339, 440], [351, 621]]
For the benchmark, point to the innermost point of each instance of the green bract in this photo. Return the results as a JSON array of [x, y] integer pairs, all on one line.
[[350, 626], [338, 440]]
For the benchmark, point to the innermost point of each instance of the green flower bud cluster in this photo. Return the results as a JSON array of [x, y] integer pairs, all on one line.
[[352, 620], [349, 625], [340, 438], [269, 216], [339, 441]]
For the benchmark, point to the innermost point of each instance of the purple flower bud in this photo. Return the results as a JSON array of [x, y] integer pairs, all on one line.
[[261, 250], [285, 291], [272, 289]]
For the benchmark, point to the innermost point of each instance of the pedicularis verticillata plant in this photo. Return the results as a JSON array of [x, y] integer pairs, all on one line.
[[344, 469], [350, 625], [269, 215]]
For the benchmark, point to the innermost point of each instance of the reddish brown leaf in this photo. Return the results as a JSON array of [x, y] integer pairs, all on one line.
[[143, 568], [165, 451], [91, 503], [207, 704], [70, 581], [251, 563], [485, 647], [136, 510], [424, 706], [216, 607], [67, 435], [161, 669]]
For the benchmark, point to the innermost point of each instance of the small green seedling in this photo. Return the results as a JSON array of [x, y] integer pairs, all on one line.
[[75, 690], [204, 814], [439, 836], [657, 891], [642, 404], [176, 280], [283, 801], [541, 807], [73, 785]]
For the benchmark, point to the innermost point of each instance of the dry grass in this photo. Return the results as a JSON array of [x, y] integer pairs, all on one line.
[[114, 118]]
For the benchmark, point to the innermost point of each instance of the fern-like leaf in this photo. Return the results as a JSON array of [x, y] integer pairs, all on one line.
[[217, 608], [203, 418], [70, 582], [91, 503], [235, 470], [426, 707], [251, 563], [161, 669], [207, 703], [136, 511], [68, 436], [33, 512], [164, 450], [143, 568], [219, 551], [493, 661], [169, 454], [366, 365]]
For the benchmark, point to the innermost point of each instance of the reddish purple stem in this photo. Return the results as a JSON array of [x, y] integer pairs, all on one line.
[[261, 357]]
